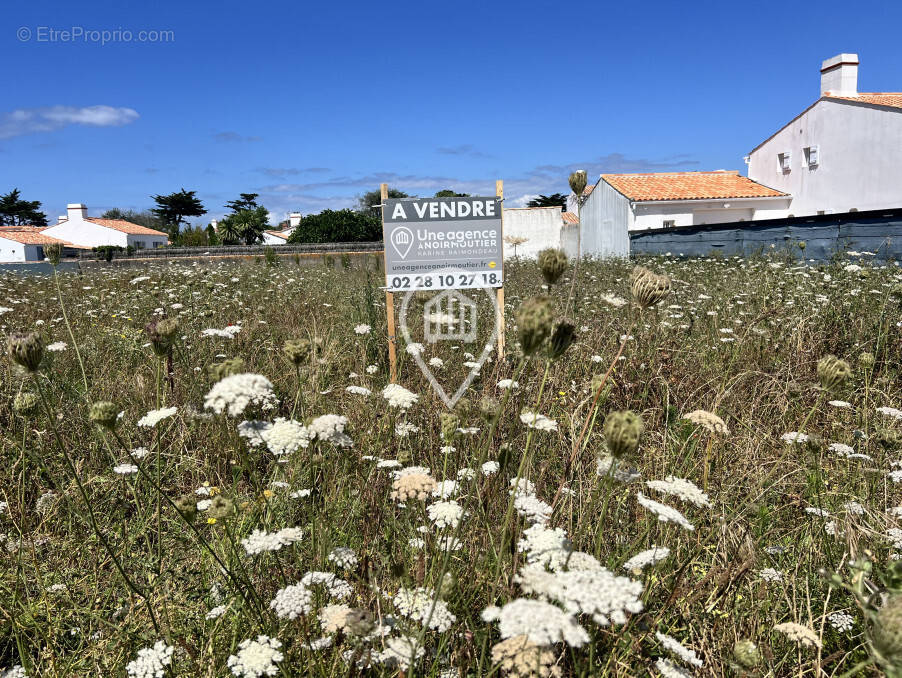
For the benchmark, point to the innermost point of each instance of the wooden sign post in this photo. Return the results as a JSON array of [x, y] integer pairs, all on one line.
[[389, 306]]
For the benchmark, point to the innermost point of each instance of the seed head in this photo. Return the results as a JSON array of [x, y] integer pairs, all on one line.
[[221, 507], [648, 287], [187, 506], [578, 181], [552, 264], [299, 351], [25, 349], [450, 423], [489, 408], [359, 622], [746, 653], [622, 431], [887, 629], [53, 252], [535, 320], [833, 372], [104, 413], [866, 360], [219, 371], [162, 333], [25, 403], [562, 338]]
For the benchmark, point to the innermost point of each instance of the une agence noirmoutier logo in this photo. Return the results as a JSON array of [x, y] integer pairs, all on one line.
[[402, 240]]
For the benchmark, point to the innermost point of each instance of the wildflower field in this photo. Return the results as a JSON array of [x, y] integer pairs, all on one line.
[[688, 469]]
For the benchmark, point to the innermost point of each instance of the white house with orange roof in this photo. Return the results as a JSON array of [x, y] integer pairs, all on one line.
[[78, 228], [621, 203], [27, 243], [281, 237], [841, 154]]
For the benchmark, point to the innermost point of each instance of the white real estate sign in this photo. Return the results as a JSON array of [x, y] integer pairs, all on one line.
[[442, 243]]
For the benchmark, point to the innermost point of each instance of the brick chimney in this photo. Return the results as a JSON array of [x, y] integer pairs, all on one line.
[[839, 75], [76, 211]]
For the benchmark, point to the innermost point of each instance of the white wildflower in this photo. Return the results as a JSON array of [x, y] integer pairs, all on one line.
[[362, 329], [234, 393], [400, 397], [154, 417], [151, 661], [343, 557], [666, 514], [256, 658], [445, 513], [682, 489], [677, 649], [125, 469], [292, 602], [643, 559], [259, 541], [538, 421], [543, 623]]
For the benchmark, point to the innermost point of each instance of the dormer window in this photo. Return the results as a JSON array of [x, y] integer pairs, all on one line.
[[784, 161], [812, 156]]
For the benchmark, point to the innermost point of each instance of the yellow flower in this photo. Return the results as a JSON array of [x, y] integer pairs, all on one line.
[[211, 521], [267, 493]]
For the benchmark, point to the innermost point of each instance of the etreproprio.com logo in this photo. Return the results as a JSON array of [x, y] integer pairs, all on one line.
[[91, 36]]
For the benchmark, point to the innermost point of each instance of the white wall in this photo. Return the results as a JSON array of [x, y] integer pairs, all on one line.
[[10, 250], [149, 242], [88, 234], [542, 225], [858, 159], [270, 239], [695, 212]]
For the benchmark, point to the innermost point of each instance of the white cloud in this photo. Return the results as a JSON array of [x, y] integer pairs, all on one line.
[[49, 118]]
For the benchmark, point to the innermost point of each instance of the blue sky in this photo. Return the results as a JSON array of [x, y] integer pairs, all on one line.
[[311, 104]]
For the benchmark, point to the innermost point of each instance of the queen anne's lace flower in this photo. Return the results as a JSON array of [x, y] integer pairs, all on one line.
[[800, 634], [256, 658], [520, 658], [666, 514], [538, 421], [154, 417], [151, 661], [236, 392], [401, 651], [682, 489], [286, 436], [292, 602], [259, 541], [532, 508], [421, 605], [334, 618], [677, 649], [400, 397], [548, 547], [643, 559], [335, 587], [596, 592], [445, 513], [331, 428], [542, 623], [343, 557]]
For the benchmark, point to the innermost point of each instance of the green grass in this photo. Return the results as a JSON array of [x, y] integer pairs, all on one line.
[[81, 599]]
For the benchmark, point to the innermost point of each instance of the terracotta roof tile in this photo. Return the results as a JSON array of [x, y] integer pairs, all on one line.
[[570, 218], [890, 99], [31, 235], [688, 186], [125, 226], [280, 234]]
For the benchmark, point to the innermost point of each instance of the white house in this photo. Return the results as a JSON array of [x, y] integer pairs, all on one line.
[[534, 229], [77, 227], [281, 237], [841, 153], [620, 203], [26, 243]]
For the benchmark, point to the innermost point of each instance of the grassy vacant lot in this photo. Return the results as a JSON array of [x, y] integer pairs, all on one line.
[[490, 541]]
